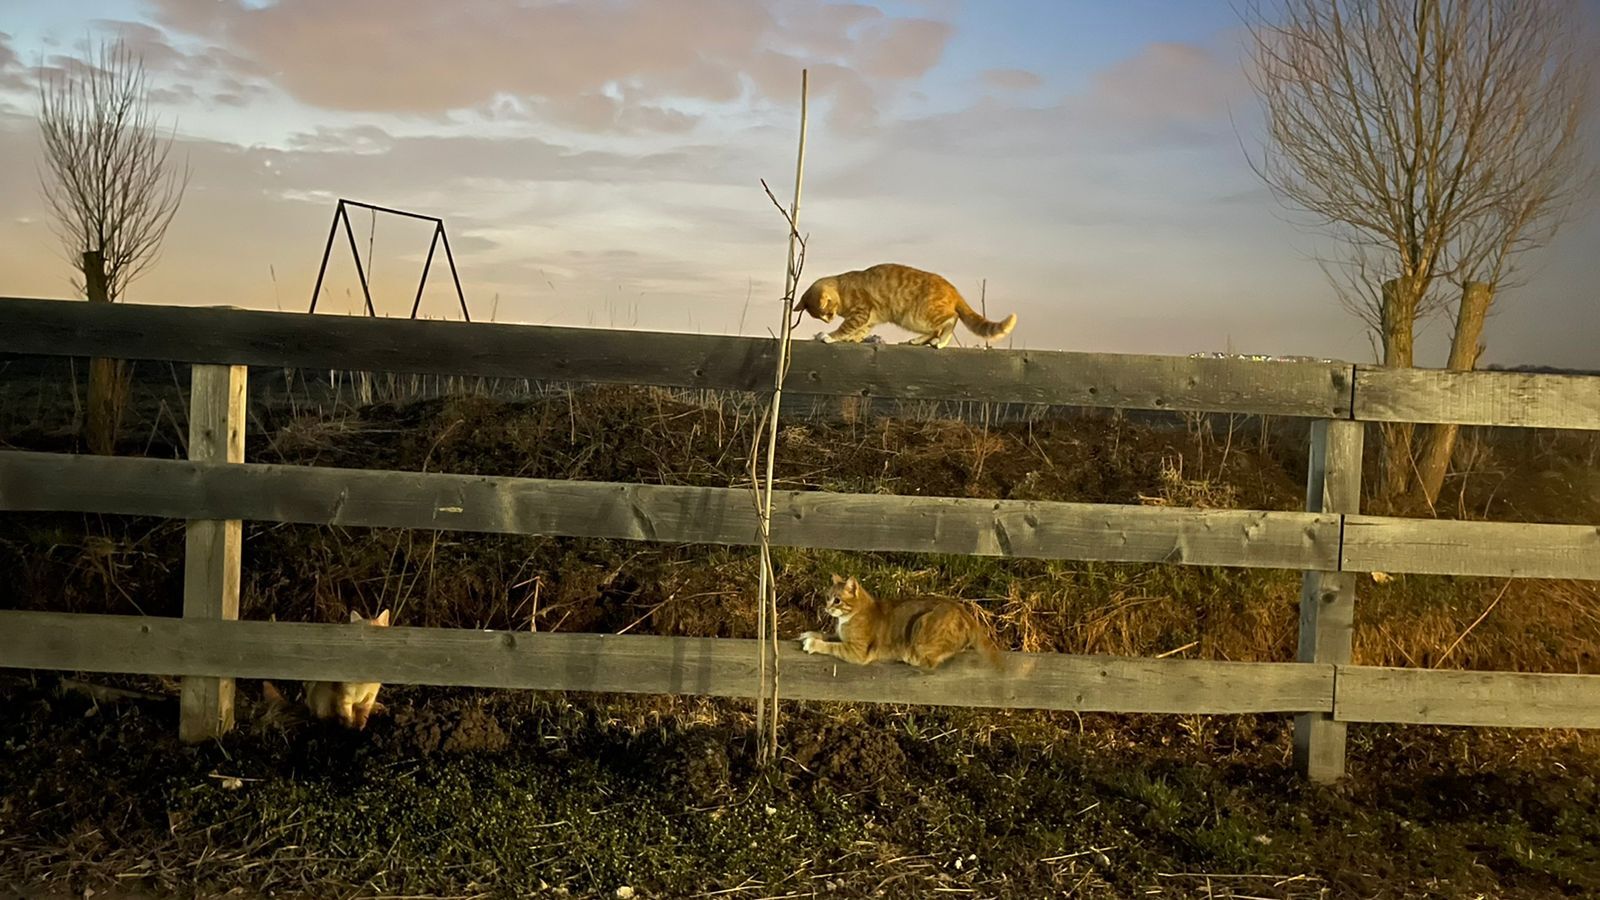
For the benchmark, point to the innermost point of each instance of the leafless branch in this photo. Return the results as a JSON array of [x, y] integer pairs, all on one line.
[[1434, 140], [108, 182]]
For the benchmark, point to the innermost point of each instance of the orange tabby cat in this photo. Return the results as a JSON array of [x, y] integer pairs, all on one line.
[[351, 702], [915, 300], [922, 631]]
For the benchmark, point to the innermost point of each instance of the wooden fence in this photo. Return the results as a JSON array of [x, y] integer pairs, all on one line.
[[1331, 542]]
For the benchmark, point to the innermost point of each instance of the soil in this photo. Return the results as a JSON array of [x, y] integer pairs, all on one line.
[[463, 793]]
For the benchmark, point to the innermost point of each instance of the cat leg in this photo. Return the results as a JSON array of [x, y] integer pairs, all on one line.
[[816, 642], [359, 713], [942, 337], [852, 330], [928, 659]]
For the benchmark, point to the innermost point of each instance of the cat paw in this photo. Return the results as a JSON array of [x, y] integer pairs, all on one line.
[[873, 339], [824, 337], [810, 640]]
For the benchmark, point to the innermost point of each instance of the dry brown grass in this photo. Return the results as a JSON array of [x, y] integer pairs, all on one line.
[[664, 436]]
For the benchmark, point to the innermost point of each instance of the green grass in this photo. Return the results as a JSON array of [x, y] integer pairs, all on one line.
[[662, 797]]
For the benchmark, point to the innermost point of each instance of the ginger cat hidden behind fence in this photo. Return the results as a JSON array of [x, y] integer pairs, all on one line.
[[917, 301], [922, 631], [348, 702]]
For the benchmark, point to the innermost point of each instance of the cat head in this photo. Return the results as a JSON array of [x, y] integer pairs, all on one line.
[[821, 300], [845, 598], [381, 620]]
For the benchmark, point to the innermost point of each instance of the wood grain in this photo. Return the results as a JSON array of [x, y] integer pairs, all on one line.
[[642, 664], [1450, 697], [1328, 598], [212, 546], [1477, 398], [543, 353], [1493, 549], [864, 522]]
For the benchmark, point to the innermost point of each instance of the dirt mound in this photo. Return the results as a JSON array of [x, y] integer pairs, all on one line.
[[853, 756], [446, 727], [698, 763]]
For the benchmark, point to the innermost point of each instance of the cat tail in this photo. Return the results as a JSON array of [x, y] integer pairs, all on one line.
[[982, 327]]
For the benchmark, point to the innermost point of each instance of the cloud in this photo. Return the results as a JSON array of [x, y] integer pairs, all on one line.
[[146, 42], [175, 76], [675, 236], [430, 57], [1165, 95], [12, 76], [903, 48], [355, 139], [625, 114], [1168, 82], [1011, 79], [624, 66], [176, 95], [827, 32]]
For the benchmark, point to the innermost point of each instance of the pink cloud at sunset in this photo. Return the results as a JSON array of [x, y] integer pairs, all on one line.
[[599, 163]]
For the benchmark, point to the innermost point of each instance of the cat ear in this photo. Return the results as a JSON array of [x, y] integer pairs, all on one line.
[[852, 585], [837, 579], [382, 619], [354, 617], [799, 304]]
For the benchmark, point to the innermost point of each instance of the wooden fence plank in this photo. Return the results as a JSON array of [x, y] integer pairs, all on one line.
[[544, 353], [1477, 398], [1494, 549], [642, 664], [867, 522], [1328, 599], [1452, 697], [211, 561]]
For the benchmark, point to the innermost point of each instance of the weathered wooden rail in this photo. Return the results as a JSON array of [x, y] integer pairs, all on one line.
[[1331, 542]]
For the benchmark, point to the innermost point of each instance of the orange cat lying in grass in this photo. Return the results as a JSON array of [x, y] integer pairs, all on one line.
[[922, 631], [350, 702], [917, 301]]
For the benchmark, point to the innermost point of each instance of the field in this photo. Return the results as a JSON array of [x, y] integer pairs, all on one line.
[[464, 793]]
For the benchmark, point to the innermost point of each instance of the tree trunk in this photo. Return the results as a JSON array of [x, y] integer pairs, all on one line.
[[108, 378], [1465, 349], [1399, 320]]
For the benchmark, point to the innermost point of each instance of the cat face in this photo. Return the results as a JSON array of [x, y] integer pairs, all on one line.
[[820, 301], [843, 597]]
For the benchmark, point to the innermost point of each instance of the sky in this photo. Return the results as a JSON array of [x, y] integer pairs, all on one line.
[[1081, 164]]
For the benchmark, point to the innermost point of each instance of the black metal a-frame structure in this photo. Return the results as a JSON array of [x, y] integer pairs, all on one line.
[[341, 214]]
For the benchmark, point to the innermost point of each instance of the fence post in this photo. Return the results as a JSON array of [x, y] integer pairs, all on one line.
[[211, 561], [1328, 599]]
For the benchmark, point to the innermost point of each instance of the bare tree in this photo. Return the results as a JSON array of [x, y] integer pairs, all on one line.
[[111, 190], [1434, 140]]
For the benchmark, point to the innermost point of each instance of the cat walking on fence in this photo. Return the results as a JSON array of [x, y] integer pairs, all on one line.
[[917, 301]]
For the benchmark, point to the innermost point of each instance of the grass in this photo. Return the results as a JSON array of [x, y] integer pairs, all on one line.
[[659, 795], [466, 793]]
